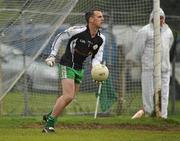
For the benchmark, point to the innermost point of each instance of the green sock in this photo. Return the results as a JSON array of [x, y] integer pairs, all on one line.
[[49, 113], [51, 121]]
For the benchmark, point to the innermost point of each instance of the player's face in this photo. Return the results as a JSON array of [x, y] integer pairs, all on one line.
[[98, 19]]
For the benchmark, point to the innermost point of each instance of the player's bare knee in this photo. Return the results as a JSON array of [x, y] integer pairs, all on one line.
[[68, 98]]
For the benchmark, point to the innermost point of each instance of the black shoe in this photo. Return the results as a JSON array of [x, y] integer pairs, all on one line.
[[45, 118], [48, 130]]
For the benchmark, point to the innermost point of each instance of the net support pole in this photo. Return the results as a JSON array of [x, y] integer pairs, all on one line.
[[97, 101], [157, 58], [98, 95]]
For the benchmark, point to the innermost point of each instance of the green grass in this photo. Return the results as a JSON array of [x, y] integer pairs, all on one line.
[[81, 128], [23, 121], [87, 135], [86, 128], [14, 103], [39, 103]]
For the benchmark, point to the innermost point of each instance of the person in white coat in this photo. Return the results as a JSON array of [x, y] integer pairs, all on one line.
[[143, 49]]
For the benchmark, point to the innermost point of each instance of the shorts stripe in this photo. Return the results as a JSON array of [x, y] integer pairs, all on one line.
[[63, 72], [70, 73]]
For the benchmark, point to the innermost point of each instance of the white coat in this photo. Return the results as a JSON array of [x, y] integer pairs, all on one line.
[[143, 50], [144, 46]]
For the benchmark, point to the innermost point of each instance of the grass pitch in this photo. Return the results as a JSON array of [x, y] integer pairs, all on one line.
[[29, 134], [86, 128]]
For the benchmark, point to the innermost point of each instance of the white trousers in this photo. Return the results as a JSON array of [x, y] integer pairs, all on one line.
[[147, 82]]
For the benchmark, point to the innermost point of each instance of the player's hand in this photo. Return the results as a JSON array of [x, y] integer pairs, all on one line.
[[50, 61]]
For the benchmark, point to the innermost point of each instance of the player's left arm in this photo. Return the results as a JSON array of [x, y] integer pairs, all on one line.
[[98, 57]]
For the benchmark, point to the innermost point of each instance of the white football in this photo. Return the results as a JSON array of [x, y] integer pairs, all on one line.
[[100, 72]]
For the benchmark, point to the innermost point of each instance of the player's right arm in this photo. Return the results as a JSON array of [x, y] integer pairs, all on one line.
[[55, 47]]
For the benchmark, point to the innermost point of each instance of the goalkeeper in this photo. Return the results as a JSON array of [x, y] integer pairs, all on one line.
[[83, 41], [144, 49]]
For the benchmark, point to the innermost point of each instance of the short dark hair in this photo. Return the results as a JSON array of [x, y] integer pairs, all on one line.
[[90, 13]]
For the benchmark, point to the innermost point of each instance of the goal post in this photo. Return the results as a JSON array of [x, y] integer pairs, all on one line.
[[157, 58]]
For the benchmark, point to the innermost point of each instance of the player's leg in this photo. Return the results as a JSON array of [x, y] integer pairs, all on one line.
[[68, 90], [70, 86], [68, 94], [77, 86], [45, 117], [79, 74], [165, 79]]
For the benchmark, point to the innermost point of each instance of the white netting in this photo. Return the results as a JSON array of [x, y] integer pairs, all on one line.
[[27, 27]]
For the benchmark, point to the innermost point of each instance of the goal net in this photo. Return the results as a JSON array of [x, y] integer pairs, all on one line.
[[28, 27]]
